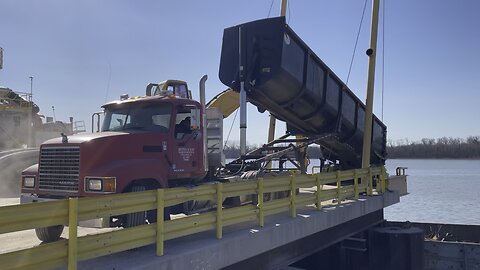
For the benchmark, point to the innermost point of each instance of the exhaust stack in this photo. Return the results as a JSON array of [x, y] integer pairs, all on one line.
[[204, 120]]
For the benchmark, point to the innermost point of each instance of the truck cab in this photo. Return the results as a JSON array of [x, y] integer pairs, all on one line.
[[152, 142]]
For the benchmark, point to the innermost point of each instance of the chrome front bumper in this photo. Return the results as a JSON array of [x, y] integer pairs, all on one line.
[[29, 198]]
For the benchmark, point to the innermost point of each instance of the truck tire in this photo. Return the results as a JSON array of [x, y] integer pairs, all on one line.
[[49, 234], [232, 201], [267, 196], [152, 215], [250, 175], [137, 218]]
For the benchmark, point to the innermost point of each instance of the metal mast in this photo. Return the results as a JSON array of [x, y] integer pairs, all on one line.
[[243, 97], [372, 53]]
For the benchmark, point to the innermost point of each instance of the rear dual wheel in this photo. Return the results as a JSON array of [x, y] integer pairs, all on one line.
[[141, 218], [266, 196]]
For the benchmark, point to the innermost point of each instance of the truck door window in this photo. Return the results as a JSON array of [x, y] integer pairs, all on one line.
[[183, 122]]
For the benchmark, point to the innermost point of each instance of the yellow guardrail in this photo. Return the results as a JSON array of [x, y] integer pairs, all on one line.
[[71, 211]]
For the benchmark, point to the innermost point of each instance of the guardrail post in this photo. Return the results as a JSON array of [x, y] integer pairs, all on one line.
[[160, 221], [355, 186], [72, 233], [319, 199], [261, 216], [293, 195], [219, 210], [339, 186], [383, 176], [370, 182]]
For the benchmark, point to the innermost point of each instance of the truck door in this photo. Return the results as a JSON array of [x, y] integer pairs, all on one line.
[[187, 160]]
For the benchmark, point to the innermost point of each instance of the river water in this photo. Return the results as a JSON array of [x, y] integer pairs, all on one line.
[[441, 191]]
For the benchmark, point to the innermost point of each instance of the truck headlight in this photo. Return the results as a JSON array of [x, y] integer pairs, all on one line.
[[94, 184], [101, 184], [29, 181]]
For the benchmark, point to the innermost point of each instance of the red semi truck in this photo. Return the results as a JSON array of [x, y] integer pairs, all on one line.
[[150, 142]]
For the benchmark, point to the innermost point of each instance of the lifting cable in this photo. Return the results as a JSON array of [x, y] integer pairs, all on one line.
[[356, 41], [270, 10], [231, 126], [288, 7], [383, 51]]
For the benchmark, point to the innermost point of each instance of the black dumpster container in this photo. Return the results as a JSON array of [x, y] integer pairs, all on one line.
[[284, 76]]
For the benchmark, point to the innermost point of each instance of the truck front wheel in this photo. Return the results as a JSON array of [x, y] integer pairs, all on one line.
[[49, 234], [137, 218]]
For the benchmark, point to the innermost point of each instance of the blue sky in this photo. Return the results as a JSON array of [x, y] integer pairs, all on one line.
[[83, 53]]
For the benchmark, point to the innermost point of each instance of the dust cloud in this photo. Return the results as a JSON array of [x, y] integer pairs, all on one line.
[[12, 163]]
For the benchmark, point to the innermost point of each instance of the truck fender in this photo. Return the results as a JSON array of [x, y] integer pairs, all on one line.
[[32, 170]]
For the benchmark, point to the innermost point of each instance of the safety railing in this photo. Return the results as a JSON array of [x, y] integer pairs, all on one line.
[[325, 186]]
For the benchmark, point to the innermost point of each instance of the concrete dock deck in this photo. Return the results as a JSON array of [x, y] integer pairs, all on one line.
[[244, 241]]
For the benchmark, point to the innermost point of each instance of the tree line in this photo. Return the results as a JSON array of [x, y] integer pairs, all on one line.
[[445, 147], [232, 150]]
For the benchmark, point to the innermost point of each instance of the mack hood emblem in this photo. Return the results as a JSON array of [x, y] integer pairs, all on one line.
[[64, 138]]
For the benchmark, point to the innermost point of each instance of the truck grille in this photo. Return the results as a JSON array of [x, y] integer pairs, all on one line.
[[59, 168]]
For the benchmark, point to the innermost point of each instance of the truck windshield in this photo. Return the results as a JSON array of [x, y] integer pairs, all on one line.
[[151, 117]]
